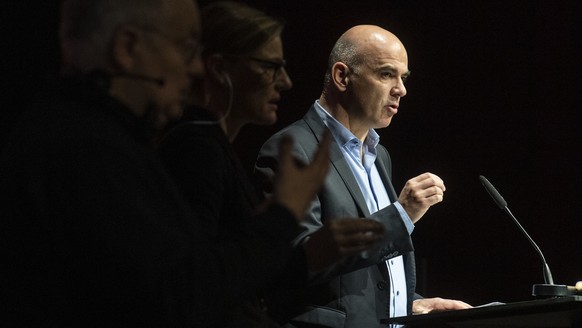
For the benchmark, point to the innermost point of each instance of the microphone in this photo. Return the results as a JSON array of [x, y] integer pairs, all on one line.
[[159, 81], [541, 290]]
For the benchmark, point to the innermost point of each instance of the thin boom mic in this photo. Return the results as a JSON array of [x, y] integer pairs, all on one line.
[[159, 81], [503, 205]]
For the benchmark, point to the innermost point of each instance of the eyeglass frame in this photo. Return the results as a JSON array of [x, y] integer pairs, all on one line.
[[276, 67]]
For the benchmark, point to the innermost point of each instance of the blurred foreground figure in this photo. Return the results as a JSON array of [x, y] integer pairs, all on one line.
[[93, 231]]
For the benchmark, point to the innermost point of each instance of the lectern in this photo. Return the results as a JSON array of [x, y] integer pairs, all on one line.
[[551, 312]]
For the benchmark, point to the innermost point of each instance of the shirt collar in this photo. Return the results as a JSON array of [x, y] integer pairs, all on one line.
[[341, 133]]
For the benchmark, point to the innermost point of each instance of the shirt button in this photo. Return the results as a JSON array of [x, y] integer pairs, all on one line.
[[397, 293]]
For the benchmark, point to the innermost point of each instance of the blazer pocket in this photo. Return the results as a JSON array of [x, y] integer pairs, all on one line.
[[320, 315]]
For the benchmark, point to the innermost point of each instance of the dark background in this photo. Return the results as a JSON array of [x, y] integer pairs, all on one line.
[[494, 91]]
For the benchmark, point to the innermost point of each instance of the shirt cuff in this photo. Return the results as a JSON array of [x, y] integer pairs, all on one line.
[[405, 218]]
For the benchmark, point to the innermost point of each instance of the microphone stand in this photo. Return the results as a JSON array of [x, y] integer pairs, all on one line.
[[548, 289]]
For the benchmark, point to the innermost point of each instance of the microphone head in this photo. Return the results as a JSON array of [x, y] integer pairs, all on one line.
[[493, 192]]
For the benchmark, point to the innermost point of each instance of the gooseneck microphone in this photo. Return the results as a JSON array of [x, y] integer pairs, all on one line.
[[503, 205], [548, 289]]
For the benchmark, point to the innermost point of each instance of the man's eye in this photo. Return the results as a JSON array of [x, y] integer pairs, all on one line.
[[386, 75]]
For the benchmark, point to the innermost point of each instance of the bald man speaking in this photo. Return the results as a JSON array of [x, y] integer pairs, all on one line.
[[363, 86]]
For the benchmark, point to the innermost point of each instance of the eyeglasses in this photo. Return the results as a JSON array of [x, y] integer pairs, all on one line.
[[272, 68], [189, 48]]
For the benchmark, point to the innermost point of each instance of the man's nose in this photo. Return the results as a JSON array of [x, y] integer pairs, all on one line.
[[399, 89]]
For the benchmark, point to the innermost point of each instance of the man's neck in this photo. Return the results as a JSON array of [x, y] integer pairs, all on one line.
[[340, 113]]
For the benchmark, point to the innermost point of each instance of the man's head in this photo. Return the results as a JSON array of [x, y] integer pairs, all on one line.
[[365, 78], [158, 39]]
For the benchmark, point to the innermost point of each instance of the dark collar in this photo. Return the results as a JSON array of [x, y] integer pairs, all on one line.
[[93, 91]]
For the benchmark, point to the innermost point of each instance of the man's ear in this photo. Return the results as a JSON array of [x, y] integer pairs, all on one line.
[[340, 75], [124, 47]]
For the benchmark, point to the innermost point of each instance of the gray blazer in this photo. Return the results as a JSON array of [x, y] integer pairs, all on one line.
[[355, 292]]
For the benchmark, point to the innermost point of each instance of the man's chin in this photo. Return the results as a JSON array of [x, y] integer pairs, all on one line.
[[383, 124], [167, 116], [172, 113]]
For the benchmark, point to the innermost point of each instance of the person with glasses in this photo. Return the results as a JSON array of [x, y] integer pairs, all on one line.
[[93, 231], [363, 86], [245, 76]]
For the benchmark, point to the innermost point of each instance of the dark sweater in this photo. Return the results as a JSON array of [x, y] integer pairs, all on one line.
[[94, 232]]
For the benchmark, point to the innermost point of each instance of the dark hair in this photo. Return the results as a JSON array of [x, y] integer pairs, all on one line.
[[345, 51], [233, 28]]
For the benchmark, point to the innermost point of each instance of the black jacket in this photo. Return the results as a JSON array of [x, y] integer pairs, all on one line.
[[197, 153]]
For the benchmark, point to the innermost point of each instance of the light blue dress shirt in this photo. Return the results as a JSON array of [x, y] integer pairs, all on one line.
[[374, 193]]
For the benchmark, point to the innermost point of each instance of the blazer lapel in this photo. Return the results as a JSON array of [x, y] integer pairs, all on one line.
[[339, 163]]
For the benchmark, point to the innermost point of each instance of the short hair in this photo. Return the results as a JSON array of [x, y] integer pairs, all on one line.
[[233, 28], [87, 26], [345, 51]]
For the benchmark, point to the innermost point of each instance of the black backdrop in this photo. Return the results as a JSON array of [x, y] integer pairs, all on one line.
[[494, 91]]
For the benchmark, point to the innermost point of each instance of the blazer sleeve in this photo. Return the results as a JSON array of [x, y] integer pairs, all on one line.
[[327, 205]]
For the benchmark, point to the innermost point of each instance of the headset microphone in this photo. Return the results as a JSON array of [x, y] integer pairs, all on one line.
[[158, 81]]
